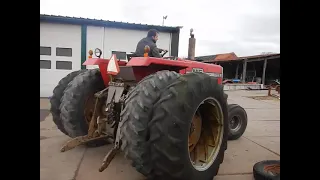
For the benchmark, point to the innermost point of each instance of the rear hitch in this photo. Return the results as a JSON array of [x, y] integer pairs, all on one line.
[[112, 153], [108, 158], [94, 131], [81, 140], [112, 94]]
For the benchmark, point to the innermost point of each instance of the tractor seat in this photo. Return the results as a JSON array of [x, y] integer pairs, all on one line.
[[129, 56]]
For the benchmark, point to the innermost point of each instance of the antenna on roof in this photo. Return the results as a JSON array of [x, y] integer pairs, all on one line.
[[163, 18]]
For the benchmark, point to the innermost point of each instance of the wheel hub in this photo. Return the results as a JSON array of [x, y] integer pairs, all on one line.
[[235, 123]]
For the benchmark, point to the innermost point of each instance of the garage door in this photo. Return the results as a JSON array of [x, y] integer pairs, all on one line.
[[60, 54]]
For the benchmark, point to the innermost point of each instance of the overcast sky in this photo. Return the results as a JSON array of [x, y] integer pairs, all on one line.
[[246, 27]]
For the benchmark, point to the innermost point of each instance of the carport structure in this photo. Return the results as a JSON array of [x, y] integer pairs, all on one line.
[[235, 67]]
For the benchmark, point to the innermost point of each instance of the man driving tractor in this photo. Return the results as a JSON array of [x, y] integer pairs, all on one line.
[[150, 40]]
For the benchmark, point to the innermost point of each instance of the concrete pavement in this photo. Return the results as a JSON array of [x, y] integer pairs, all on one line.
[[261, 141]]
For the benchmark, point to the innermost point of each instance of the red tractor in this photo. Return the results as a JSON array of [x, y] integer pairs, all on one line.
[[168, 116]]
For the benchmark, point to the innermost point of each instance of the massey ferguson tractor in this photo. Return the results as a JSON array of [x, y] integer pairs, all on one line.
[[169, 116]]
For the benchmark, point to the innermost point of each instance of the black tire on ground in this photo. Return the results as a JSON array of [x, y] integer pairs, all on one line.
[[56, 97], [259, 172], [136, 116], [171, 123], [238, 116], [72, 105]]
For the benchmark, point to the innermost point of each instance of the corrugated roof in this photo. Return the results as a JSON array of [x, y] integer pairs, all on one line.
[[106, 23], [226, 57], [205, 58], [218, 57], [231, 57], [259, 56]]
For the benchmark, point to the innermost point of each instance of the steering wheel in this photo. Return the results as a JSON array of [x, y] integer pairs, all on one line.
[[164, 52]]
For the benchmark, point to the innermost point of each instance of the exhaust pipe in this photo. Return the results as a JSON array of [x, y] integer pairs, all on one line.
[[192, 46]]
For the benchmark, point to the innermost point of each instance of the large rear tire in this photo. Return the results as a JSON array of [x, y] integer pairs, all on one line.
[[170, 129], [74, 104], [136, 116], [55, 100]]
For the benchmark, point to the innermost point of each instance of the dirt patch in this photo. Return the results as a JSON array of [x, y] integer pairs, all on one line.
[[43, 137], [264, 98]]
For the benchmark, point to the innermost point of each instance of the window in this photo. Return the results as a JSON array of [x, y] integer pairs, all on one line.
[[45, 50], [45, 64], [64, 52], [120, 55], [64, 65]]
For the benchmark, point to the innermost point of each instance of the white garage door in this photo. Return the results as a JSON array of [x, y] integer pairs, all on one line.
[[126, 40], [60, 54]]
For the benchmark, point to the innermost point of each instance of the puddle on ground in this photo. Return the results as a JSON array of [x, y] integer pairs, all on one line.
[[43, 114]]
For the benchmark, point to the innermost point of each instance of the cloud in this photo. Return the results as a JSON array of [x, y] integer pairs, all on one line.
[[246, 27]]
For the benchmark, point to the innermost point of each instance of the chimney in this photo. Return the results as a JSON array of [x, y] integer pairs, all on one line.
[[192, 46]]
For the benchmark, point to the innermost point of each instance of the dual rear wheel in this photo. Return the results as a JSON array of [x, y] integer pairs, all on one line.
[[184, 129], [73, 101], [172, 127]]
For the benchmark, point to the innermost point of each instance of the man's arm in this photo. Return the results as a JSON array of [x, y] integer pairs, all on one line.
[[160, 50], [155, 52]]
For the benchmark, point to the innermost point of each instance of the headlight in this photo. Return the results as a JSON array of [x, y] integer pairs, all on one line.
[[98, 52]]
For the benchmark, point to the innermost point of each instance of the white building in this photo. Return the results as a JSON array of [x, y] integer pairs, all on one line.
[[65, 42]]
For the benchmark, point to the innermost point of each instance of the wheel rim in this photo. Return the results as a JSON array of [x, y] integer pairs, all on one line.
[[273, 169], [195, 131], [206, 134], [235, 123]]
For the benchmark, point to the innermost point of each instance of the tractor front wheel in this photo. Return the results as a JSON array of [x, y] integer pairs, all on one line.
[[77, 104], [189, 129], [238, 121]]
